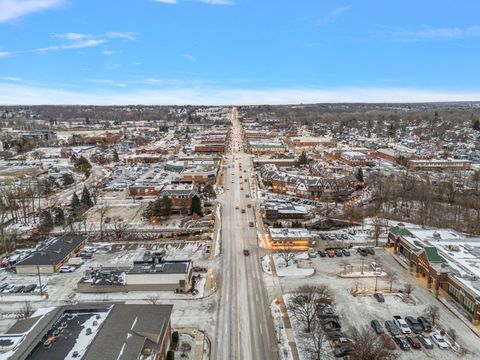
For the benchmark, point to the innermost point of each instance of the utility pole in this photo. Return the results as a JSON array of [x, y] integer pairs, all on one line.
[[39, 280]]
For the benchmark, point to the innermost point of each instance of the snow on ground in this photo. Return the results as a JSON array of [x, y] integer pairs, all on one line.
[[185, 339], [365, 274], [292, 270], [284, 347], [266, 264], [219, 227]]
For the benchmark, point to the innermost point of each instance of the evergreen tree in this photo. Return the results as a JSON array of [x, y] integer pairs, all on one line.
[[476, 125], [45, 222], [303, 159], [58, 216], [196, 206], [86, 200], [161, 207], [360, 175], [75, 204], [115, 156], [83, 165]]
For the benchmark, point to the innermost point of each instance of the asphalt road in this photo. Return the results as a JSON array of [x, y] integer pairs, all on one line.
[[244, 324]]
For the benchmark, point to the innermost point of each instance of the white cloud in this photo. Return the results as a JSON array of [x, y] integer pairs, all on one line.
[[333, 15], [73, 45], [12, 94], [4, 54], [166, 1], [427, 33], [122, 35], [72, 36], [153, 81], [189, 57], [11, 78], [107, 52], [13, 9]]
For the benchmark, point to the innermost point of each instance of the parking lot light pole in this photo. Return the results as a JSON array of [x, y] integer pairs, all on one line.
[[363, 260], [376, 281], [39, 280]]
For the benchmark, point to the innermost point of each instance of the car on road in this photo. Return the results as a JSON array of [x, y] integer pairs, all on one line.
[[426, 342], [402, 343], [246, 252], [322, 253], [251, 224], [346, 252], [330, 253], [243, 211], [249, 205], [392, 328], [377, 327], [67, 269], [427, 327], [387, 341], [379, 297], [414, 324], [440, 341], [414, 342], [237, 206], [402, 324]]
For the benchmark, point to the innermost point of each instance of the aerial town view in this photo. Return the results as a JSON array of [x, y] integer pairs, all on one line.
[[239, 179]]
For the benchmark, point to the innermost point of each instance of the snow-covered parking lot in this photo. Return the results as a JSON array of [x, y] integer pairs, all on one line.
[[358, 311]]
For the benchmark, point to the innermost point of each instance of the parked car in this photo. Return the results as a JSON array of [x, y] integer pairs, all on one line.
[[38, 288], [402, 343], [9, 288], [322, 253], [427, 327], [388, 342], [3, 286], [67, 269], [426, 342], [18, 289], [401, 324], [414, 324], [338, 253], [330, 253], [29, 288], [370, 251], [346, 252], [392, 328], [375, 267], [414, 342], [439, 340], [362, 251], [379, 297], [377, 327], [312, 253], [342, 351]]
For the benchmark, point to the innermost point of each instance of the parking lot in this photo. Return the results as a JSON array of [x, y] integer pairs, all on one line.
[[358, 311], [123, 177]]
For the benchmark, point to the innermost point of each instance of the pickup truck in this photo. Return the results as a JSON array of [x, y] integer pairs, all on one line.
[[402, 324]]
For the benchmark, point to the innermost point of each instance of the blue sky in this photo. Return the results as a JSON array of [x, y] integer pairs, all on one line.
[[238, 51]]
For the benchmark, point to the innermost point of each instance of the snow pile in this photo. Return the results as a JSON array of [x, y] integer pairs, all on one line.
[[284, 346], [266, 264], [292, 270]]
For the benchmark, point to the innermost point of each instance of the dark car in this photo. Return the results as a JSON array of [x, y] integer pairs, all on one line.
[[335, 334], [322, 253], [387, 342], [3, 286], [426, 342], [346, 252], [362, 251], [402, 343], [338, 253], [379, 297], [370, 251], [392, 328], [414, 324], [18, 288], [427, 327], [246, 252], [377, 327], [29, 288], [414, 342]]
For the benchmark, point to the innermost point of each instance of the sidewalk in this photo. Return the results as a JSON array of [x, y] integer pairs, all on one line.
[[286, 320]]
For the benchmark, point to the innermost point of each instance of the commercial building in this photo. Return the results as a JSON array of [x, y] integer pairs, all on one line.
[[448, 261], [439, 164], [293, 238], [48, 258], [91, 332]]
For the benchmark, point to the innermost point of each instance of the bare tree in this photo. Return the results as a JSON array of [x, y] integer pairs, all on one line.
[[120, 229], [305, 301], [25, 311], [366, 345], [153, 299], [379, 225], [102, 212], [132, 192], [452, 333], [408, 289], [316, 345], [432, 313], [286, 254], [392, 277]]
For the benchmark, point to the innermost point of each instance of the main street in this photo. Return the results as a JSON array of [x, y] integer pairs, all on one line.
[[244, 325]]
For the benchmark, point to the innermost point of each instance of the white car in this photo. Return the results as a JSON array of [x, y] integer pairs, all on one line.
[[402, 324], [67, 269], [9, 288], [440, 341]]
